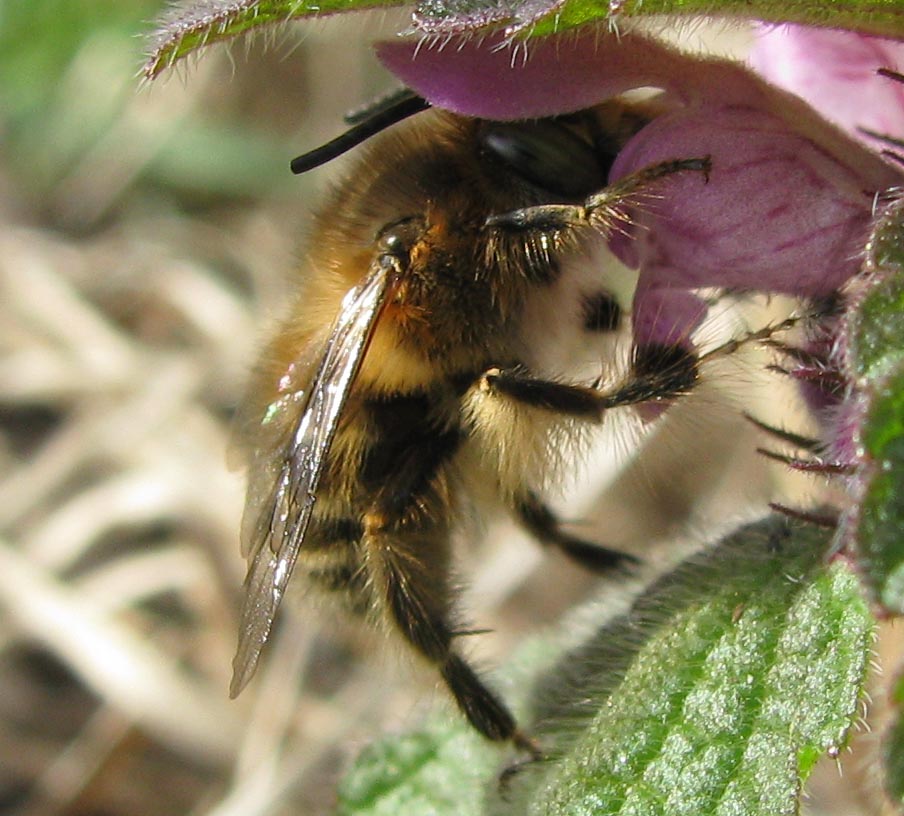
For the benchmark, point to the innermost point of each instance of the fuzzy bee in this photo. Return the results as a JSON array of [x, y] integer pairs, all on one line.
[[408, 378]]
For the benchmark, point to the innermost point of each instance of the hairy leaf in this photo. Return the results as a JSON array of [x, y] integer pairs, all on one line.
[[539, 17], [193, 25], [717, 693], [875, 358]]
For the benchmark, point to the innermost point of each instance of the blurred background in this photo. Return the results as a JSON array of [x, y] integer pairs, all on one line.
[[146, 234]]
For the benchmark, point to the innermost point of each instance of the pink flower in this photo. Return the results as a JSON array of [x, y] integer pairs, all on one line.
[[835, 71], [788, 204], [838, 73]]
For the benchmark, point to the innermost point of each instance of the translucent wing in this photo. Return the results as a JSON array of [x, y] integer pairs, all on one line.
[[278, 529]]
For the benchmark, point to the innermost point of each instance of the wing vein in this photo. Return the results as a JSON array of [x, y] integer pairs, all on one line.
[[284, 518]]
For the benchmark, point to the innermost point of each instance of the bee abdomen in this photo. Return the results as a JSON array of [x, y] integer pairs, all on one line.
[[345, 582], [401, 471], [332, 562], [333, 534]]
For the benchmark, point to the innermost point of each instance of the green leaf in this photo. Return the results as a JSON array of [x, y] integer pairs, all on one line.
[[187, 29], [716, 694], [876, 333], [867, 16], [876, 361], [880, 515], [437, 772], [894, 749]]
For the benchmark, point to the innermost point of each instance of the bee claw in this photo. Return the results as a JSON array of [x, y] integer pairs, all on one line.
[[527, 744], [535, 754]]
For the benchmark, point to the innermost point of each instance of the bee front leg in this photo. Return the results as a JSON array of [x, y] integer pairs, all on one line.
[[599, 210], [578, 401]]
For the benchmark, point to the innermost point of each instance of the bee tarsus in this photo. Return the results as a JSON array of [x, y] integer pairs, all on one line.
[[514, 769], [602, 209]]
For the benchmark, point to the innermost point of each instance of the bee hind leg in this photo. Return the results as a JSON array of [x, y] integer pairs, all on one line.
[[540, 521], [417, 602], [484, 710]]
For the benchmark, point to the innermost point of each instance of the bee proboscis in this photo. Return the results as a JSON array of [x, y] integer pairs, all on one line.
[[365, 439]]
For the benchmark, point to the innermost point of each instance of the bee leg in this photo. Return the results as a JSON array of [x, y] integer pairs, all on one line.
[[406, 550], [419, 607], [659, 373], [576, 401], [542, 523], [599, 210], [510, 772]]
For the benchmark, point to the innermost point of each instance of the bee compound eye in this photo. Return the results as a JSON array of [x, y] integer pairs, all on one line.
[[547, 154], [397, 238], [392, 244]]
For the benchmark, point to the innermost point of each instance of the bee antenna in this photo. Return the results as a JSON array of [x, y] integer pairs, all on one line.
[[378, 105], [366, 123]]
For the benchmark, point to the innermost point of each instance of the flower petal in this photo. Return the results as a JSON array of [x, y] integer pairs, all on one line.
[[835, 71], [778, 213], [494, 78]]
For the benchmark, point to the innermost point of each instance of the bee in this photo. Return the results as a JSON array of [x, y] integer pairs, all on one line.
[[406, 379]]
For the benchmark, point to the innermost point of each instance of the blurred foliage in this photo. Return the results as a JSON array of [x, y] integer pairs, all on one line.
[[72, 106]]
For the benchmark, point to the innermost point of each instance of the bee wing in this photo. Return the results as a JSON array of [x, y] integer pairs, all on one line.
[[278, 530]]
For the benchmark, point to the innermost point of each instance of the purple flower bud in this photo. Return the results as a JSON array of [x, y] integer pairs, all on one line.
[[780, 213]]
